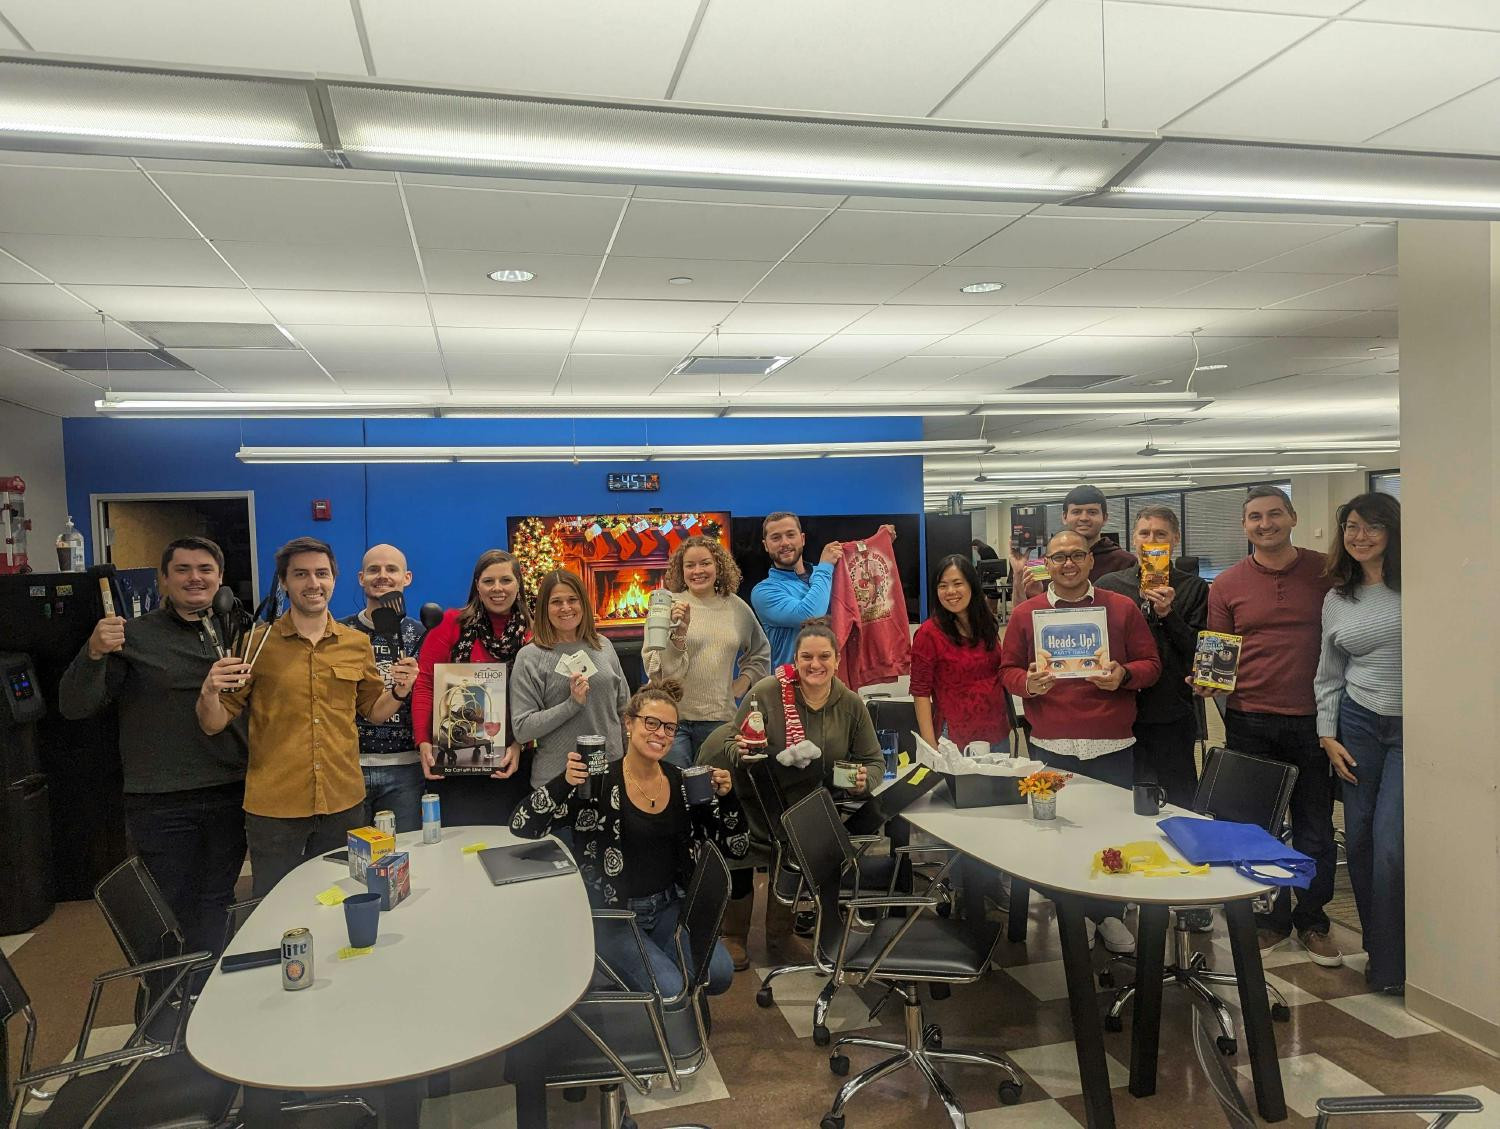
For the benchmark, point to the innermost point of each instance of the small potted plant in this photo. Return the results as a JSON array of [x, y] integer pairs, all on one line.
[[1042, 787]]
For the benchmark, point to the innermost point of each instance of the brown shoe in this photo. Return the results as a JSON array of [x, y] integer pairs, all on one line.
[[1268, 939], [735, 929], [1320, 948], [781, 946]]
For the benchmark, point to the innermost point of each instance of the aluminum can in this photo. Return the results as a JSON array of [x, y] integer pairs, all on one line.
[[432, 818], [385, 821], [296, 959]]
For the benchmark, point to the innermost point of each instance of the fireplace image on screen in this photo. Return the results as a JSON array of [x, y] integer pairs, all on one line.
[[621, 558]]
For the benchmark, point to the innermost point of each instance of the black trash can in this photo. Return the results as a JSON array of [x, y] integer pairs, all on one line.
[[26, 891]]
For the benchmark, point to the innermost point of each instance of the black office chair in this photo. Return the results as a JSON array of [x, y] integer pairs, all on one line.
[[898, 954], [615, 1037], [1242, 789], [146, 930], [146, 1084]]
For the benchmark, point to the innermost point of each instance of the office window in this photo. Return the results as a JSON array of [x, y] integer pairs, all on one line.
[[1213, 530], [1114, 525], [1173, 502], [1387, 482]]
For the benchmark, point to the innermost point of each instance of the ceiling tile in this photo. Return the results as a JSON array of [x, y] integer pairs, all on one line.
[[338, 307], [1376, 324], [39, 302], [547, 341], [471, 220], [1294, 7], [919, 319], [481, 312], [50, 201], [12, 271], [1262, 323], [941, 287], [894, 59], [662, 229], [712, 280], [817, 374], [830, 282], [1371, 292], [225, 365], [466, 272], [255, 168], [923, 238], [64, 160], [173, 303], [365, 338], [921, 204], [570, 46], [1451, 13], [413, 378], [654, 315], [352, 266], [423, 366], [513, 184], [605, 367], [1222, 245], [90, 259], [36, 386], [1055, 241], [1470, 123], [267, 209], [985, 345], [759, 344], [875, 344], [636, 344], [70, 335], [178, 381], [1354, 250], [1147, 322], [498, 371], [1317, 90], [1122, 287], [772, 317], [283, 35], [1041, 320], [1248, 290], [822, 200], [687, 384]]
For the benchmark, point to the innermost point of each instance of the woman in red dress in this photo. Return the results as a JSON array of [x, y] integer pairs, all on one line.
[[955, 662]]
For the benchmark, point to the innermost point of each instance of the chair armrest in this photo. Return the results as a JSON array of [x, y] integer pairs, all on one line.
[[186, 964], [596, 996], [894, 901], [1435, 1104], [920, 849], [94, 1062], [865, 840], [626, 917], [204, 957], [614, 915]]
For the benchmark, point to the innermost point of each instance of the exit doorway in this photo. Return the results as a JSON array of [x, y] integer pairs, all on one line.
[[130, 531]]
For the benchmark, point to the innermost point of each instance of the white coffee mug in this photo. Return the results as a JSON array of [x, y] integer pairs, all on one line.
[[977, 749]]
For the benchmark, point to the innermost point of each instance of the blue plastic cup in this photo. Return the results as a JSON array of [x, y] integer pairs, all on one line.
[[362, 917]]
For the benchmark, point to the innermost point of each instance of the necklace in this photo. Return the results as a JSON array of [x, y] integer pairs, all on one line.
[[650, 797]]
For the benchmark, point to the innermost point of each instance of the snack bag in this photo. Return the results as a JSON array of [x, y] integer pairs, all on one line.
[[1156, 566]]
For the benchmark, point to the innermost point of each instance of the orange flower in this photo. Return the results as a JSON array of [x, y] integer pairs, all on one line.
[[1044, 784]]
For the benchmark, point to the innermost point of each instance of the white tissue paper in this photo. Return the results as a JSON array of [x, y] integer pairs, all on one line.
[[949, 758]]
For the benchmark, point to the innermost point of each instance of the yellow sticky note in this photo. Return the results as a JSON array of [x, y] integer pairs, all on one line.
[[332, 896], [918, 776], [473, 847], [349, 952]]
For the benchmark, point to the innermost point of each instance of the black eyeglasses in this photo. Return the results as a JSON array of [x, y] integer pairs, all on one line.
[[1077, 556], [655, 724]]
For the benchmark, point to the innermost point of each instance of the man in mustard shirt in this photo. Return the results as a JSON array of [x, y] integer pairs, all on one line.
[[304, 789]]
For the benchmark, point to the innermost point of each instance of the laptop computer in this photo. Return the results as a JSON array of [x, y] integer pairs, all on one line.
[[522, 862]]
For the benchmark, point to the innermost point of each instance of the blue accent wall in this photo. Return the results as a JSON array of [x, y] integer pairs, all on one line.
[[444, 515]]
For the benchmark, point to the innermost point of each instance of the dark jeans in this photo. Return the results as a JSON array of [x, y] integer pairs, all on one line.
[[193, 845], [1117, 768], [689, 739], [479, 801], [396, 788], [1293, 739], [656, 916], [280, 846], [1164, 755], [1375, 837]]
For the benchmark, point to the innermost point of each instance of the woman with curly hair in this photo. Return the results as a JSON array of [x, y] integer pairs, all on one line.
[[714, 634], [635, 842]]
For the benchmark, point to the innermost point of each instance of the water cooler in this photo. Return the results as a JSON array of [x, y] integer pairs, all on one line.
[[26, 886]]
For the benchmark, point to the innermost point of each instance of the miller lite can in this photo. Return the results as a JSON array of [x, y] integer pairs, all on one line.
[[296, 959], [432, 818]]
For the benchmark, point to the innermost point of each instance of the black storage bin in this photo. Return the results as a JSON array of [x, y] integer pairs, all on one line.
[[971, 790], [26, 893]]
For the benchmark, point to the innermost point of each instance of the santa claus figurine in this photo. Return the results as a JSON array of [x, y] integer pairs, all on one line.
[[753, 730]]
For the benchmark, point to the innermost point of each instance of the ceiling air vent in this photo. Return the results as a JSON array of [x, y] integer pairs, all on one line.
[[213, 334], [1162, 421], [729, 366], [1069, 382], [111, 360]]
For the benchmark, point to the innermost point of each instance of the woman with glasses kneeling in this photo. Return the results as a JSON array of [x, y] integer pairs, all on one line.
[[634, 839]]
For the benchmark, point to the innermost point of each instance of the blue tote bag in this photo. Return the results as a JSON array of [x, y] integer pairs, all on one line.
[[1249, 848]]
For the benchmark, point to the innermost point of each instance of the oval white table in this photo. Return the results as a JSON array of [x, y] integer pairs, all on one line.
[[1056, 857], [461, 969]]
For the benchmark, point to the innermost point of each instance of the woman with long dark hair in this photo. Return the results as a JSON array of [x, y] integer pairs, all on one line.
[[490, 628], [955, 661], [1358, 689]]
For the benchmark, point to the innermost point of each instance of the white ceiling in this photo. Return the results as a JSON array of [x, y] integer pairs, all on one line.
[[381, 278]]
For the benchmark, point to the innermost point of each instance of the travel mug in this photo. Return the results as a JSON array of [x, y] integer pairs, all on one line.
[[591, 749], [658, 621], [699, 783]]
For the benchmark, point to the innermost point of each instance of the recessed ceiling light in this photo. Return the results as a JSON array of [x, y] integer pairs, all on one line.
[[1209, 368], [1160, 383], [982, 287], [511, 275], [680, 280]]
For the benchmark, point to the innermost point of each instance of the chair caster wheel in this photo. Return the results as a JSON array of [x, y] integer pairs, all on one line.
[[1280, 1013], [1106, 979], [628, 1123], [932, 1037], [575, 1094], [765, 997], [1113, 1023], [939, 991], [945, 910], [831, 1121], [821, 1037], [839, 1064], [1010, 1092], [1226, 1045]]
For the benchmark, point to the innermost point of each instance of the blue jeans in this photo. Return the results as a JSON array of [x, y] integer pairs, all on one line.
[[397, 788], [656, 917], [689, 739], [1374, 837]]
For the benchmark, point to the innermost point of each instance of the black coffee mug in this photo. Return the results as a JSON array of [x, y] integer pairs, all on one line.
[[1149, 798]]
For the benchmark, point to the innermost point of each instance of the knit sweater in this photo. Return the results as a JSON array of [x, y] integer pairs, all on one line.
[[543, 709], [722, 631], [388, 742], [1361, 655]]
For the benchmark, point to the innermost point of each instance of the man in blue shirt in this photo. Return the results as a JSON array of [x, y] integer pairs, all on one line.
[[791, 592]]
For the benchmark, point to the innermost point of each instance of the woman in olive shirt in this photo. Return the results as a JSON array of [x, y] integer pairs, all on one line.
[[835, 725]]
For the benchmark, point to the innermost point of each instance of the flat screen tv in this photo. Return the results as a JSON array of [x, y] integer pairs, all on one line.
[[619, 557]]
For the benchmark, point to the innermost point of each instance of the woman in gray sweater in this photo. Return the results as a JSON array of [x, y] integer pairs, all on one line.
[[1358, 688], [554, 706]]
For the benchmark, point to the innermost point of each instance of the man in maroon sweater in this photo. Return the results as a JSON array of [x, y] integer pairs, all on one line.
[[1274, 598], [1085, 511], [1083, 725]]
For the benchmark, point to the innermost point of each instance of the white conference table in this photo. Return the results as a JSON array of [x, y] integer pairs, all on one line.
[[461, 969], [1056, 857]]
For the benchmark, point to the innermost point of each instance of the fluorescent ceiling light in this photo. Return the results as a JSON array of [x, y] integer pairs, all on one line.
[[570, 454], [510, 275], [981, 287], [1290, 448], [1201, 368], [728, 366]]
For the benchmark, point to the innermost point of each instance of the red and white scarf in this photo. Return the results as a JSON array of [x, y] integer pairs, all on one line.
[[799, 751]]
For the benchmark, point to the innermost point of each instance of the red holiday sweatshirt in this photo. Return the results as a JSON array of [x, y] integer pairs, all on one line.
[[1075, 708]]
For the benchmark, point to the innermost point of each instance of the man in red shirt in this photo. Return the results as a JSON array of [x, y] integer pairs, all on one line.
[[1085, 511], [1274, 598], [1083, 725]]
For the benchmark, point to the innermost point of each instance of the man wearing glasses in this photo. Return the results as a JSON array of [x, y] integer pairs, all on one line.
[[1274, 598], [1084, 724]]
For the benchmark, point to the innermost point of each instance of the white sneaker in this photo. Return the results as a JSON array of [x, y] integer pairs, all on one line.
[[1117, 938]]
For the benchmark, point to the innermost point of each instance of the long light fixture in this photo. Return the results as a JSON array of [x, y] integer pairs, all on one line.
[[1036, 491], [1126, 477], [1359, 446], [601, 454]]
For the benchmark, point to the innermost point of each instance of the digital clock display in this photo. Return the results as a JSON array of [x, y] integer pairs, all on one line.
[[634, 483]]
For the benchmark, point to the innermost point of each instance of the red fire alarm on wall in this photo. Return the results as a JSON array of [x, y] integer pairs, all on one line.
[[322, 509]]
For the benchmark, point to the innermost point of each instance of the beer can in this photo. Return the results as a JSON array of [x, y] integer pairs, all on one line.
[[385, 821], [432, 818], [296, 959]]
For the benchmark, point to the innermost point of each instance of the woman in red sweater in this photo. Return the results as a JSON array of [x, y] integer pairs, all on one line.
[[955, 662], [491, 627]]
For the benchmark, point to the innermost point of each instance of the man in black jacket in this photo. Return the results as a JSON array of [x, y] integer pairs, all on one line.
[[1166, 725]]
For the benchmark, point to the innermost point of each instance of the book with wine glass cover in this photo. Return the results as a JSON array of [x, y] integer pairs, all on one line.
[[468, 718], [1216, 661]]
